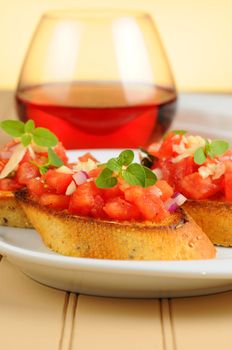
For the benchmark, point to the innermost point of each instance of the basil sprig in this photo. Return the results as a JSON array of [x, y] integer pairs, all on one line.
[[179, 132], [211, 149], [175, 132], [27, 132], [133, 173], [52, 160]]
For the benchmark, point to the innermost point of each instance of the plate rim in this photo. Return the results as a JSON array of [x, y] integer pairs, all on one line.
[[211, 268]]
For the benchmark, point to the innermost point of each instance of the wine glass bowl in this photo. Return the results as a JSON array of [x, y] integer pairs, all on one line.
[[98, 79]]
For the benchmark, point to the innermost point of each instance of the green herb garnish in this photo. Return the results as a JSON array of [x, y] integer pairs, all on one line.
[[179, 132], [28, 132], [106, 179], [175, 132], [133, 173], [199, 156], [211, 149], [52, 160]]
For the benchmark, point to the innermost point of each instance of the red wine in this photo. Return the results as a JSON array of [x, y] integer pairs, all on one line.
[[99, 115]]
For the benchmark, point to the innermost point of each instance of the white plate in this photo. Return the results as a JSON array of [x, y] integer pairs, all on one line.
[[134, 279]]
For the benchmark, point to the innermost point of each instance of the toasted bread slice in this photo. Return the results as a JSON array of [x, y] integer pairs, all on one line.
[[11, 213], [215, 219], [177, 237]]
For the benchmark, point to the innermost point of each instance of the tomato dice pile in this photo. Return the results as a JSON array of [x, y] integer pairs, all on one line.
[[26, 169], [193, 180], [122, 202]]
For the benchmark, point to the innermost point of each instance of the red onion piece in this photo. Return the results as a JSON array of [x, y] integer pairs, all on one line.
[[180, 199], [176, 201], [175, 194], [80, 177], [173, 208], [170, 204]]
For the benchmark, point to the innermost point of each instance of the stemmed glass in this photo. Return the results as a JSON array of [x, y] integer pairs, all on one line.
[[98, 79]]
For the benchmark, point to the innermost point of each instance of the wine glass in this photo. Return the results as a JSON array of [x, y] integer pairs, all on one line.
[[97, 79]]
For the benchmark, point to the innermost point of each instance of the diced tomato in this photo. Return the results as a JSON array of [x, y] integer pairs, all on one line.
[[95, 172], [35, 186], [173, 173], [195, 187], [151, 207], [26, 157], [165, 188], [60, 151], [25, 172], [11, 144], [55, 201], [123, 185], [113, 192], [228, 165], [41, 158], [5, 154], [153, 149], [228, 187], [91, 187], [58, 182], [133, 193], [97, 210], [2, 164], [149, 204], [166, 148], [82, 200], [9, 185], [228, 153], [86, 157], [119, 209]]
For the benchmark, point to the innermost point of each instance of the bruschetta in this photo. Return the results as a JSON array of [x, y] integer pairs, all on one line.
[[11, 213], [21, 160], [201, 169], [113, 211]]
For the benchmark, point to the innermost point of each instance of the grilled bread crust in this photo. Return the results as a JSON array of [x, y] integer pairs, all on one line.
[[215, 219], [11, 213], [177, 237]]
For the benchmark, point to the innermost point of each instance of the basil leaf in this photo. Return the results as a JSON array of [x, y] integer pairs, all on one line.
[[105, 179], [151, 177], [43, 169], [207, 147], [13, 127], [44, 137], [217, 148], [54, 159], [26, 140], [125, 157], [134, 175], [175, 132], [179, 132], [199, 156], [29, 126], [113, 165]]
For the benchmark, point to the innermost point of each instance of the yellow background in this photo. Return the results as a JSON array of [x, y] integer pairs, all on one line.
[[197, 36]]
